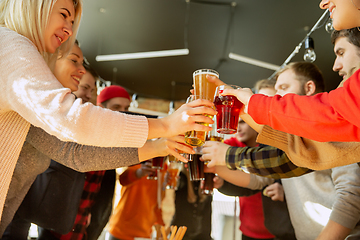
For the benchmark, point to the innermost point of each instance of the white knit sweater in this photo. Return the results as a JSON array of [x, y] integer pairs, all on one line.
[[29, 89]]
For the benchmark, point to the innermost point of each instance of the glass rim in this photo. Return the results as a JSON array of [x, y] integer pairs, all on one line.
[[207, 71]]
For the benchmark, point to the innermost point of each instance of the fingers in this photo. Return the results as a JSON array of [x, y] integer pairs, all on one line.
[[217, 81], [229, 91], [200, 102], [211, 164], [178, 143]]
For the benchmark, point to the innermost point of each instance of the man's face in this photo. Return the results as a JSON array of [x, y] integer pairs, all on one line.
[[118, 104], [347, 58], [86, 87], [287, 83], [246, 134]]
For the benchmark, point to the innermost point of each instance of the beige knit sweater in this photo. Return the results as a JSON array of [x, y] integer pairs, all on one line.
[[311, 154], [30, 93]]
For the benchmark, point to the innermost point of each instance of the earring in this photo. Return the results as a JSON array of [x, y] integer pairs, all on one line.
[[358, 28]]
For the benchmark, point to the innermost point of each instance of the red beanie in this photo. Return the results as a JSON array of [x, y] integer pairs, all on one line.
[[110, 92]]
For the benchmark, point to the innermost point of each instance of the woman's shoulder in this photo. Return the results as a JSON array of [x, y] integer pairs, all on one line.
[[10, 38]]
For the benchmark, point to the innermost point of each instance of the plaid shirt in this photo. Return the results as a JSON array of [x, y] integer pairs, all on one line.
[[91, 188], [263, 160]]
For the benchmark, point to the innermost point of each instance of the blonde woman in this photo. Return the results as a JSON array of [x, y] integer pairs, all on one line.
[[33, 32]]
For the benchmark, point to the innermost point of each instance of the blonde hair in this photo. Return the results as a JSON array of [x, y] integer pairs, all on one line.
[[264, 83], [30, 19]]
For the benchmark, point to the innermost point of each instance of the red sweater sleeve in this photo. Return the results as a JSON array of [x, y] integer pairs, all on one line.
[[324, 117]]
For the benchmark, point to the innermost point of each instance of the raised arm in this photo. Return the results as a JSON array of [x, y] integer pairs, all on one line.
[[323, 117], [82, 158], [311, 154], [264, 160]]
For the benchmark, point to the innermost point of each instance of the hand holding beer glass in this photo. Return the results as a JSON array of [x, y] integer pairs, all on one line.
[[203, 89], [228, 110]]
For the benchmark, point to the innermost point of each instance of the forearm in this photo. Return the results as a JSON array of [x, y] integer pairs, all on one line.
[[346, 206], [82, 158], [264, 161], [157, 128], [308, 153], [233, 190], [321, 117], [333, 231], [150, 150], [236, 177]]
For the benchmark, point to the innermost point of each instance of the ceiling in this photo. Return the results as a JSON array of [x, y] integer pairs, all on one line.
[[266, 30]]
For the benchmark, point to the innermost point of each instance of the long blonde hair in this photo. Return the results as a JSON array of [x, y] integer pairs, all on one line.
[[30, 19]]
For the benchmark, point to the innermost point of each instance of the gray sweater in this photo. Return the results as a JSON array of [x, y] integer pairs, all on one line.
[[40, 148]]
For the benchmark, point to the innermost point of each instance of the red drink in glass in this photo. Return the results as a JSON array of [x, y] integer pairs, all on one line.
[[228, 111]]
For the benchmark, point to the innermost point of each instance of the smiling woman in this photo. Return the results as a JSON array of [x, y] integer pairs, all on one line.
[[69, 69], [33, 33]]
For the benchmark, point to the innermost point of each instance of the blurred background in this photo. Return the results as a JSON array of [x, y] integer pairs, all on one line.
[[265, 32]]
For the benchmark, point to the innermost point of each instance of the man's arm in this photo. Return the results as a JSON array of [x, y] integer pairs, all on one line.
[[233, 190], [266, 161], [308, 153], [346, 207], [321, 117], [334, 231]]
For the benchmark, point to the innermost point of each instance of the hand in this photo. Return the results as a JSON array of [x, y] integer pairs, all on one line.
[[211, 78], [275, 191], [145, 169], [177, 145], [164, 147], [189, 117], [214, 79], [218, 182], [242, 94], [215, 152]]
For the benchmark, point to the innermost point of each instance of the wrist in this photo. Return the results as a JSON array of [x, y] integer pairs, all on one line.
[[157, 128]]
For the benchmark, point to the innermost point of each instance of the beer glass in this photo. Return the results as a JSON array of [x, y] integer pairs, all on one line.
[[173, 171], [207, 185], [202, 86], [228, 110], [196, 166]]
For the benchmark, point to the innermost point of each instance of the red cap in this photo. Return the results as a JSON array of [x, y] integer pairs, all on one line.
[[110, 92]]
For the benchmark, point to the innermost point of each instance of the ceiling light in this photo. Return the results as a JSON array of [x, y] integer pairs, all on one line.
[[309, 55], [253, 61], [139, 55]]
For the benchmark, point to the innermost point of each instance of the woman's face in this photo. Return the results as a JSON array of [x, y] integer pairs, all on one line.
[[345, 13], [70, 69], [59, 28]]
